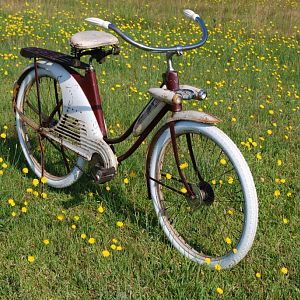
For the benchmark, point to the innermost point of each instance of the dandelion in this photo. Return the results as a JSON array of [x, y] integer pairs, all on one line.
[[83, 236], [31, 258], [4, 166], [119, 248], [60, 217], [184, 166], [228, 241], [24, 209], [113, 246], [44, 195], [269, 131], [183, 190], [46, 242], [223, 162], [13, 213], [91, 240], [285, 221], [258, 275], [259, 156], [207, 260], [73, 226], [76, 218], [35, 193], [276, 193], [120, 224], [235, 251], [25, 170], [100, 209], [126, 180], [3, 135], [230, 180], [220, 291], [115, 241], [29, 190], [107, 188], [168, 176], [284, 270], [35, 182], [279, 162], [105, 253], [218, 267], [11, 202], [43, 180]]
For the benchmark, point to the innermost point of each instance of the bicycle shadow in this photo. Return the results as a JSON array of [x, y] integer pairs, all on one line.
[[77, 194]]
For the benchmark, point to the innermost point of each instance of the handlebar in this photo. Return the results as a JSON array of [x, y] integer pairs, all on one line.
[[175, 49]]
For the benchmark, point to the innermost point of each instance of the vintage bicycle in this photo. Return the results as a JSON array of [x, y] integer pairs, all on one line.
[[200, 184]]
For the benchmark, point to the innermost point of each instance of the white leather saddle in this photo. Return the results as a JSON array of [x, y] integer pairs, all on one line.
[[92, 39]]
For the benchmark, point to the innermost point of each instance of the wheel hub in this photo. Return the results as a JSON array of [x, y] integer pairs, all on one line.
[[204, 195]]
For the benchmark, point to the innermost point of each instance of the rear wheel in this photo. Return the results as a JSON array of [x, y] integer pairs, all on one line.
[[60, 166], [218, 224]]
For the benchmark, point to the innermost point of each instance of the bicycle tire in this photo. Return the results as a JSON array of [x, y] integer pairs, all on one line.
[[61, 167], [219, 231]]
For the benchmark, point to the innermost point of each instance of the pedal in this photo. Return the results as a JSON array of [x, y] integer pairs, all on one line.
[[102, 175]]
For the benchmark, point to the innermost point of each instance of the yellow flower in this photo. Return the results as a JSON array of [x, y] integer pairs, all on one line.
[[1, 172], [113, 246], [184, 166], [207, 260], [1, 159], [100, 209], [43, 179], [46, 242], [44, 195], [259, 156], [285, 221], [183, 190], [230, 180], [223, 162], [107, 188], [25, 170], [31, 258], [105, 253], [83, 236], [24, 209], [126, 180], [3, 135], [277, 193], [220, 291], [218, 267], [35, 182], [228, 241], [4, 165], [235, 251], [35, 193], [60, 217], [73, 226], [29, 190], [168, 176], [76, 218], [115, 241], [11, 202], [279, 162], [91, 240], [90, 194], [120, 224], [284, 270], [119, 248], [258, 275], [269, 131]]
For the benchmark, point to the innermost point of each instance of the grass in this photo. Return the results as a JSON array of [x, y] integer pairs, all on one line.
[[251, 72]]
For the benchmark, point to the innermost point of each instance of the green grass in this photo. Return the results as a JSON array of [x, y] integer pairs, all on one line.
[[251, 71]]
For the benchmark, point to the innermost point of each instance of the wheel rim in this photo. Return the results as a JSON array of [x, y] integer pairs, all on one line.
[[220, 222], [48, 157]]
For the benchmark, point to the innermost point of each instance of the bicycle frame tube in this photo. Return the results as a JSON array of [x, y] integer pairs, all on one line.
[[89, 85]]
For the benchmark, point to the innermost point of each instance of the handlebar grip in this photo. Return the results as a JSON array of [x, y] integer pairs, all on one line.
[[190, 14], [98, 22]]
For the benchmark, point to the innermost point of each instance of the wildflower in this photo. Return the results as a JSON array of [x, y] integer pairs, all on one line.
[[235, 251], [258, 275], [223, 162], [35, 182], [90, 194], [76, 218], [100, 209], [279, 162], [44, 195], [230, 180], [126, 180], [113, 246], [183, 190], [1, 172], [46, 242], [3, 135], [115, 241], [259, 156], [24, 209], [285, 221], [91, 240], [120, 224], [218, 267], [83, 236], [73, 226], [119, 248], [105, 253], [168, 176], [43, 180], [35, 193], [284, 270], [29, 190], [269, 131], [184, 166], [277, 193], [60, 217], [107, 188], [228, 241], [4, 165], [13, 213], [31, 258], [220, 291], [25, 170], [208, 260], [1, 159], [11, 202]]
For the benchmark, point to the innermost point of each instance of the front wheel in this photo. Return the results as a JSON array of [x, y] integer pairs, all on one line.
[[217, 225]]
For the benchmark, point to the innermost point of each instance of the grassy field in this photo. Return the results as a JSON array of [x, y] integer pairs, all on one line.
[[52, 248]]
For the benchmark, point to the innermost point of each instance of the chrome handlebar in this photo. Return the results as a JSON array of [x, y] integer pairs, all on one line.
[[175, 49]]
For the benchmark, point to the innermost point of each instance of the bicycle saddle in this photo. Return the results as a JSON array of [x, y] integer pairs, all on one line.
[[92, 39]]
